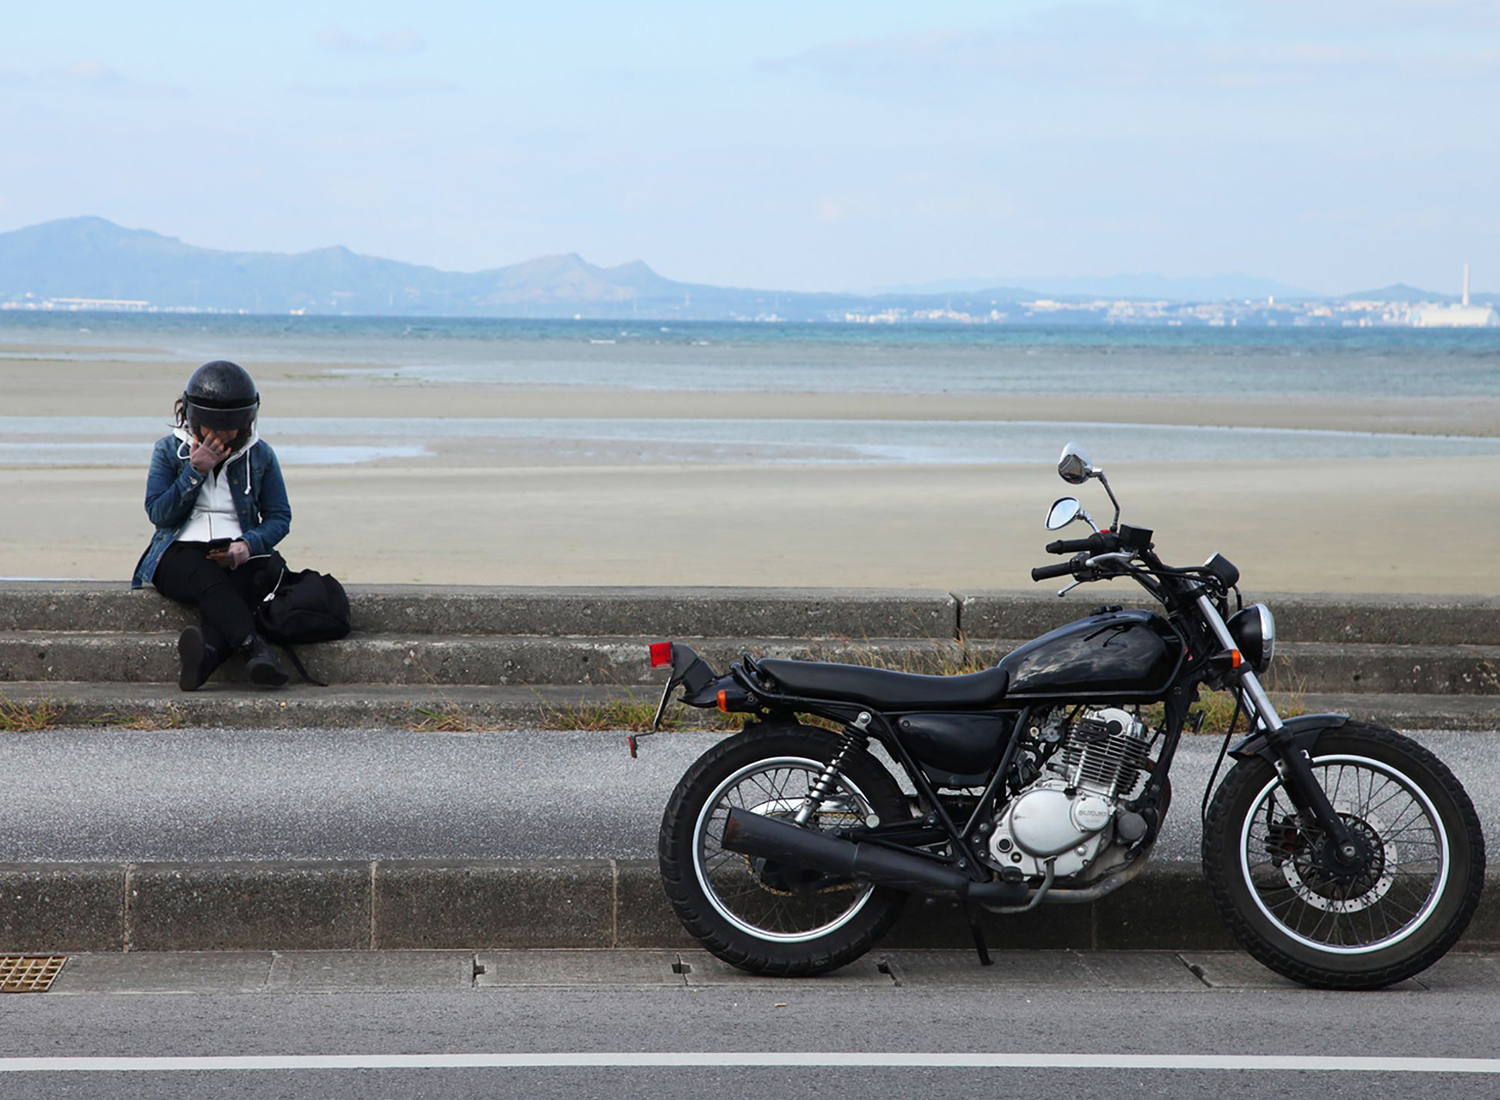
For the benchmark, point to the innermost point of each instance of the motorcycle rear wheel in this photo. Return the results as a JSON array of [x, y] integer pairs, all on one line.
[[753, 914], [1399, 915]]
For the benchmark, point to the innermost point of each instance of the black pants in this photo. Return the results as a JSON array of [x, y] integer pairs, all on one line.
[[222, 596]]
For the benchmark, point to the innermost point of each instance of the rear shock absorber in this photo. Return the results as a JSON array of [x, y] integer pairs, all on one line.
[[854, 736]]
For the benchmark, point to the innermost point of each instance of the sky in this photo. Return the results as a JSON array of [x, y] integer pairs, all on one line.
[[1330, 145]]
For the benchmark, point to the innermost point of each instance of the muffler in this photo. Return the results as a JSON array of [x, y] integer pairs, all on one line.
[[754, 834]]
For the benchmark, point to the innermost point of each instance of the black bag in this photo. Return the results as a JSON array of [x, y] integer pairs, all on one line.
[[296, 608], [306, 606]]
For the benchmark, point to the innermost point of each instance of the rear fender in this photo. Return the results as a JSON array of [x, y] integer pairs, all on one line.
[[1304, 731], [694, 674]]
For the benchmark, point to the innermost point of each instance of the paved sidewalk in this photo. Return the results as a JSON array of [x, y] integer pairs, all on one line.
[[252, 972]]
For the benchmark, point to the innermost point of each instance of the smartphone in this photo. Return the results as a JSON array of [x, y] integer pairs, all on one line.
[[218, 544]]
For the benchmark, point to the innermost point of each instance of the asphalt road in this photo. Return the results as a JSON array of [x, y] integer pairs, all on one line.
[[1113, 1025], [330, 794]]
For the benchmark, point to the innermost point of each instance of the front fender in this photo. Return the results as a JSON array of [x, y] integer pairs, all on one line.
[[1303, 731]]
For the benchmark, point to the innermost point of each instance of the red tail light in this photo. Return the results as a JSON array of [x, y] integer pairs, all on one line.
[[661, 654]]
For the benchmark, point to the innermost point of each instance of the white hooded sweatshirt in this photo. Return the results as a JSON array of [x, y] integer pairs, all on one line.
[[213, 515]]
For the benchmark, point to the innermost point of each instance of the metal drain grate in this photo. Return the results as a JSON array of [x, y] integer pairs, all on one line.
[[29, 973]]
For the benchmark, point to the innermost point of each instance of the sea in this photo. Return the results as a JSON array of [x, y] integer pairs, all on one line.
[[1213, 362]]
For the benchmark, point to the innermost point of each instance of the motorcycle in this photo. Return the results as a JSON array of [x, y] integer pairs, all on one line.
[[1340, 854]]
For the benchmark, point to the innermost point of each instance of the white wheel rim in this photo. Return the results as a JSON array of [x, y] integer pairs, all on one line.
[[1381, 887], [815, 766]]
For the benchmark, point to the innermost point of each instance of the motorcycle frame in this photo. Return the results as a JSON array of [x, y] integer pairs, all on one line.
[[1192, 608], [937, 825]]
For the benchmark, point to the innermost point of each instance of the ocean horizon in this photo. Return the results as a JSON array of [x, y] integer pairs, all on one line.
[[798, 357]]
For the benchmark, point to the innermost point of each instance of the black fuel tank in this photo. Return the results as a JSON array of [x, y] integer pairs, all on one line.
[[1113, 653]]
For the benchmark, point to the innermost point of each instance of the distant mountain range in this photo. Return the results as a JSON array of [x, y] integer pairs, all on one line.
[[94, 259]]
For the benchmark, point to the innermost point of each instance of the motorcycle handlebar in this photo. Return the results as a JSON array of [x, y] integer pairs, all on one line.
[[1094, 544], [1047, 572]]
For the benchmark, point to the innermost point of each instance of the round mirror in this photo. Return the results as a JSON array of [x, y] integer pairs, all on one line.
[[1064, 511], [1073, 467]]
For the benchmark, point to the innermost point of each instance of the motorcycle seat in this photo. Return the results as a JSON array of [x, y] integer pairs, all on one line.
[[883, 689]]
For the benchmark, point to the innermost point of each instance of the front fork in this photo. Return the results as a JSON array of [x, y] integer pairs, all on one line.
[[1292, 764]]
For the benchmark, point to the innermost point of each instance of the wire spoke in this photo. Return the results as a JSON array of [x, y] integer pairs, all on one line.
[[1285, 864], [766, 896]]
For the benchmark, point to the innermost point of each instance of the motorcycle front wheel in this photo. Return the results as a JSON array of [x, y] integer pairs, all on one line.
[[1403, 908], [758, 915]]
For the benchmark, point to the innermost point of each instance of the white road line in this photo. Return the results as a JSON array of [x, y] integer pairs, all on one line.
[[691, 1059]]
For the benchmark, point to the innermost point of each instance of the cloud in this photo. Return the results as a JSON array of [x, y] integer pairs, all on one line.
[[1093, 48], [92, 76], [391, 87], [93, 72], [404, 40]]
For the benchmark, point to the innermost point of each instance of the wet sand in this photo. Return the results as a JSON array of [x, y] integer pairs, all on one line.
[[473, 517]]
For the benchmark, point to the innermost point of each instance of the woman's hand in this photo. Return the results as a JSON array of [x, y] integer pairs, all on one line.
[[236, 554], [206, 454]]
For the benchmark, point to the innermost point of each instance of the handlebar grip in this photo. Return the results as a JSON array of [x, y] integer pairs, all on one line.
[[1094, 544], [1047, 572]]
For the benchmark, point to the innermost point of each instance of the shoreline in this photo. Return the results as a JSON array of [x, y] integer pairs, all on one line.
[[37, 387], [465, 515]]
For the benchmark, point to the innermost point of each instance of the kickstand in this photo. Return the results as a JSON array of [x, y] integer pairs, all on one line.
[[978, 934]]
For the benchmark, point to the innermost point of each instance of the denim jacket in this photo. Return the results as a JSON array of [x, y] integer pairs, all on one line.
[[172, 485]]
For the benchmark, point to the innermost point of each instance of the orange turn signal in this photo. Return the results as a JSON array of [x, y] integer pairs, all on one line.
[[724, 701], [1235, 658]]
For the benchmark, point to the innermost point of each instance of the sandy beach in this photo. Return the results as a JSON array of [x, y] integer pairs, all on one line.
[[473, 512]]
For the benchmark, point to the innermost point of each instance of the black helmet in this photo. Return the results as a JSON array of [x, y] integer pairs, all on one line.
[[221, 395]]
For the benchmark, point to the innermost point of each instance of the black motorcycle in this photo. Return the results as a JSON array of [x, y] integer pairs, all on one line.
[[1339, 853]]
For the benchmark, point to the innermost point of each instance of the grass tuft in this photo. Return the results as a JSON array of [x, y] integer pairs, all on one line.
[[634, 714], [169, 717], [28, 717], [446, 718]]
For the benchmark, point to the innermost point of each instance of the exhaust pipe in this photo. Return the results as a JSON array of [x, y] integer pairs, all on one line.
[[755, 834]]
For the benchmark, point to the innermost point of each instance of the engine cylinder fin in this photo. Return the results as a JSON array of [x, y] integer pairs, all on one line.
[[1103, 751]]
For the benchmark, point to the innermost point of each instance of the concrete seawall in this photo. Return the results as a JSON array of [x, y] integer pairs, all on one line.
[[505, 654]]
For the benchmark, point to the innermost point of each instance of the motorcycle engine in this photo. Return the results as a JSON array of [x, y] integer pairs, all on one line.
[[1066, 815]]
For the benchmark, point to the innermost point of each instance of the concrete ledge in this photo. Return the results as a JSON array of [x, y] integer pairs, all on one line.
[[475, 903], [230, 706], [454, 609], [1354, 667], [522, 904], [230, 906], [225, 706], [62, 907], [505, 660], [745, 612], [1300, 617], [36, 655]]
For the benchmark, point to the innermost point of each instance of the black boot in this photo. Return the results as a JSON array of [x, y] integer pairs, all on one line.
[[196, 659], [262, 663]]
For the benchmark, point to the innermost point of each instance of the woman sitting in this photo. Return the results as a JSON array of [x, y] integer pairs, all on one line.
[[217, 498]]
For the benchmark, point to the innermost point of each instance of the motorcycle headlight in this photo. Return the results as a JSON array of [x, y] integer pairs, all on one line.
[[1254, 632]]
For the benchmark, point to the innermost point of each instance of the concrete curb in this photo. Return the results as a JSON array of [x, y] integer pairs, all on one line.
[[546, 706], [740, 612], [397, 905], [433, 659]]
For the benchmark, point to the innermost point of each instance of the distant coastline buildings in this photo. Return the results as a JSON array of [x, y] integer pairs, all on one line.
[[1396, 307], [1463, 315]]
